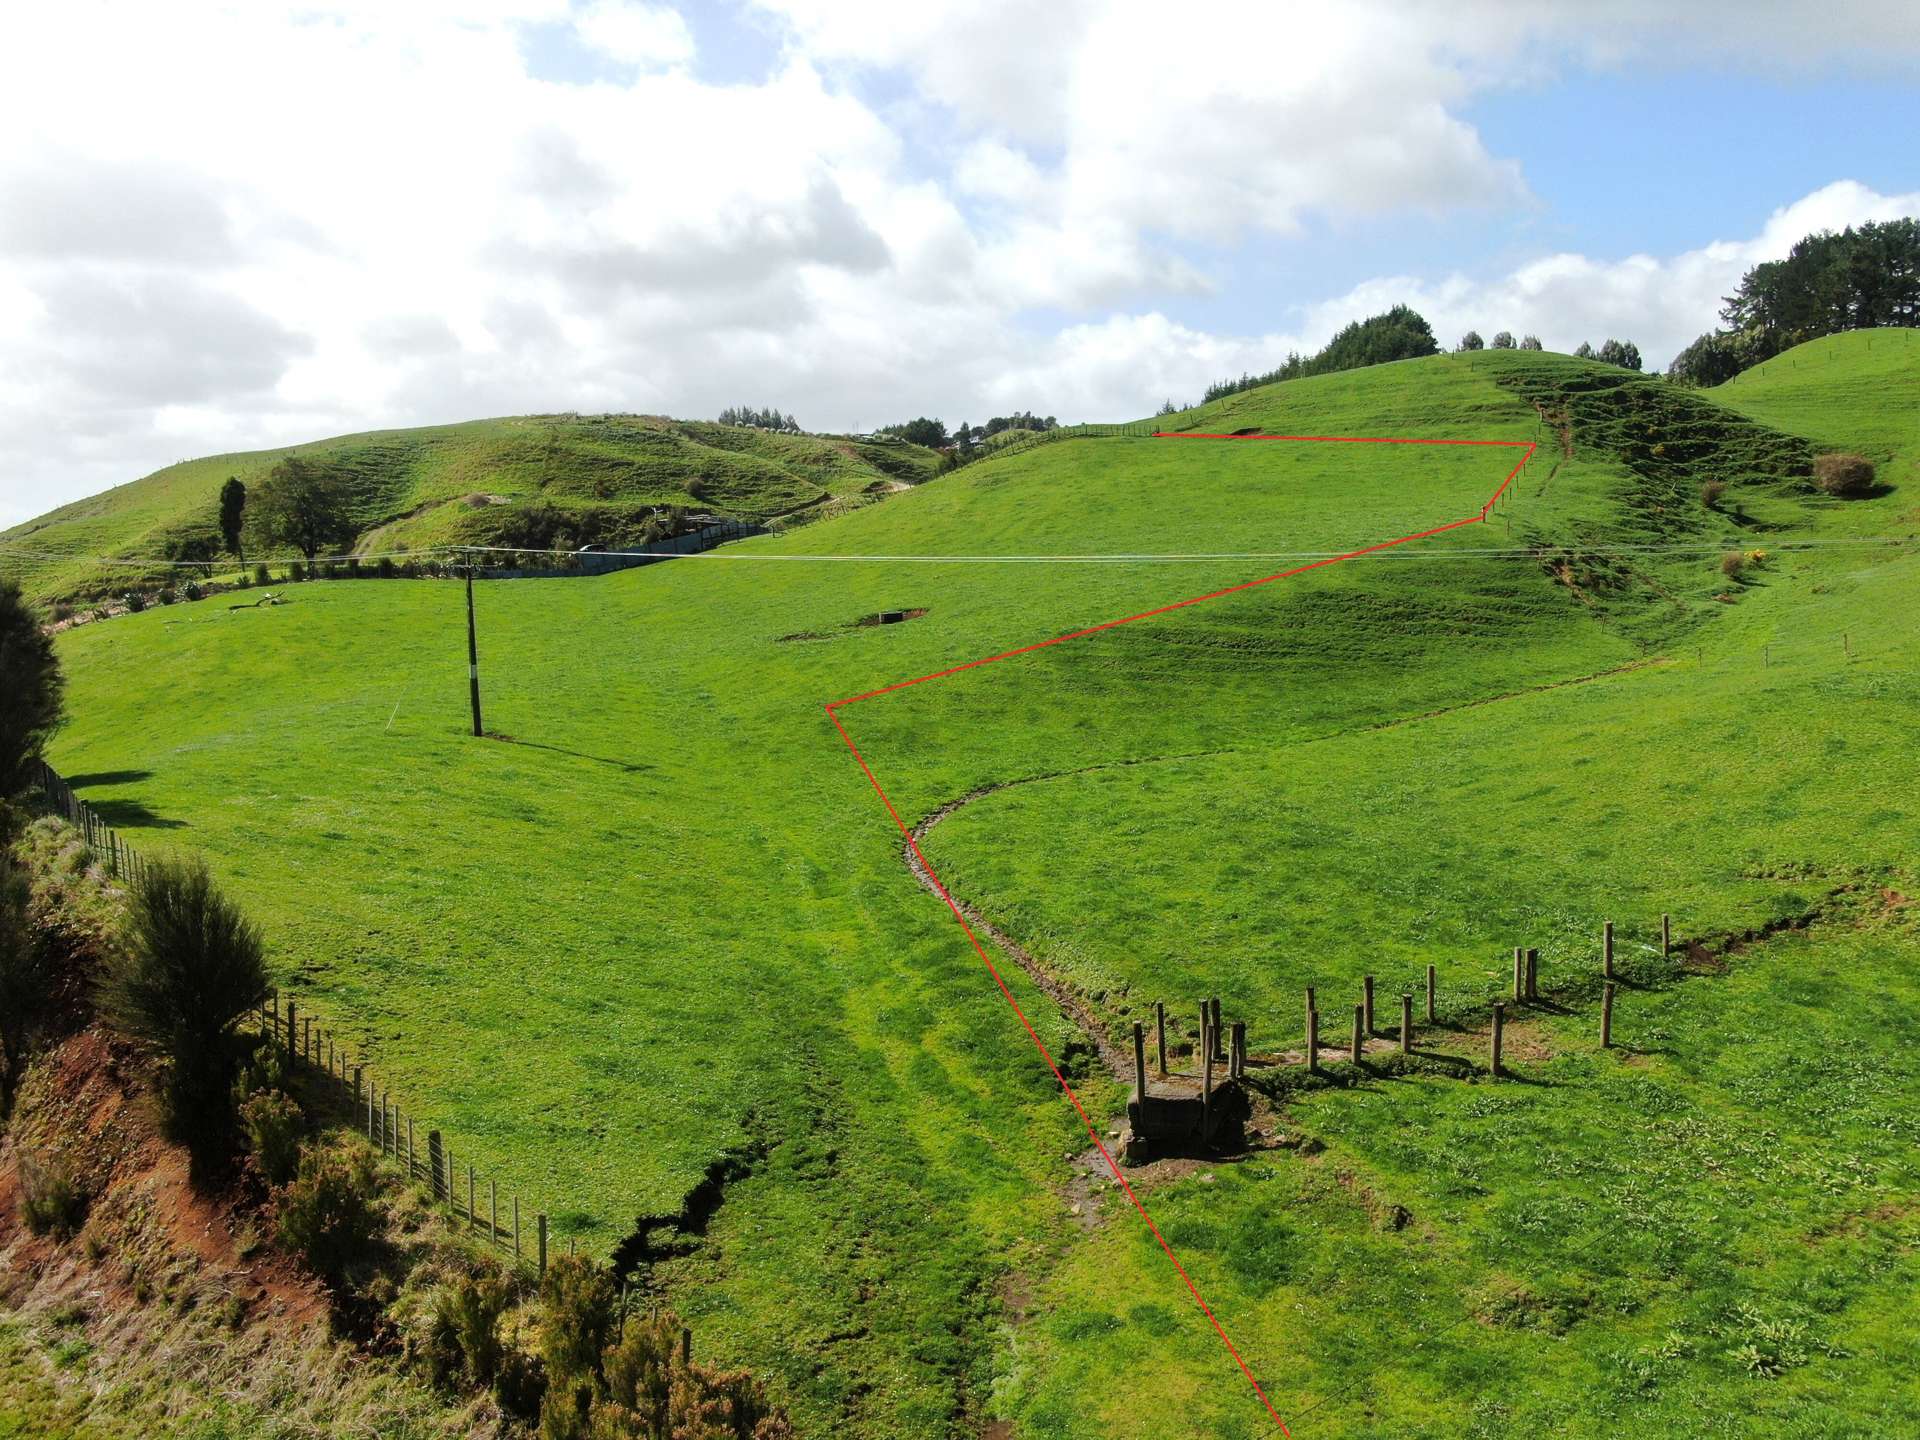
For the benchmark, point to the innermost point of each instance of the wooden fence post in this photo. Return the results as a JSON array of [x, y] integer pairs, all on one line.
[[516, 1227], [1431, 1016], [541, 1222], [1606, 1016], [1160, 1031], [1499, 1023], [436, 1164], [1519, 973], [1216, 1053], [1406, 1024], [1206, 1096], [1366, 986], [293, 1032], [1533, 973], [1239, 1049], [1359, 1031], [473, 1219], [1666, 936], [493, 1211], [1606, 949], [410, 1170], [1313, 1040], [1140, 1065]]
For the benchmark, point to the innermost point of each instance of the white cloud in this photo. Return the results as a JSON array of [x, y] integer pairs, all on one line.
[[248, 222], [1660, 304], [647, 35]]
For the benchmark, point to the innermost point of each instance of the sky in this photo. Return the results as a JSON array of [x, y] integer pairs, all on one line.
[[225, 226]]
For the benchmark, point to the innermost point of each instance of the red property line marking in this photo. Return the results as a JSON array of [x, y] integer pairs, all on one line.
[[833, 713]]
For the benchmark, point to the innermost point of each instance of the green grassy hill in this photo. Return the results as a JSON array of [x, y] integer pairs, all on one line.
[[659, 927], [530, 480], [1859, 390]]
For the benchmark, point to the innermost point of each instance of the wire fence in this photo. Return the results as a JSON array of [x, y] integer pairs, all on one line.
[[317, 1052]]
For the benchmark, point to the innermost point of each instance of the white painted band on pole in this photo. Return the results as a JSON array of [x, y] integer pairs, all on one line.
[[473, 672]]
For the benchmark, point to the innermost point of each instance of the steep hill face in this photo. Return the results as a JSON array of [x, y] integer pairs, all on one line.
[[1859, 391], [537, 480]]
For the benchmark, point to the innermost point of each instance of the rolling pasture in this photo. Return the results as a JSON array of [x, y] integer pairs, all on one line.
[[656, 931]]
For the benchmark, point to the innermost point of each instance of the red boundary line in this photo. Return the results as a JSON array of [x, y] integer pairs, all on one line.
[[833, 713]]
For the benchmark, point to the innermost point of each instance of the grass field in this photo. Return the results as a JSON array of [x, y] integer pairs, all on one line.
[[660, 925], [469, 484]]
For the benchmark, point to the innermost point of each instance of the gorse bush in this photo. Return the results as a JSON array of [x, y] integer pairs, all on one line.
[[1732, 563], [327, 1215], [466, 1327], [273, 1123], [50, 1203], [1711, 492], [26, 979], [1843, 475], [191, 967]]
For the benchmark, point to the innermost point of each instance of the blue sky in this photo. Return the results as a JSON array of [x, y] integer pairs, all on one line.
[[858, 211]]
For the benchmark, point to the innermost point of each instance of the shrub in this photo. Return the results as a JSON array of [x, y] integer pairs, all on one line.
[[326, 1215], [192, 590], [62, 613], [1845, 476], [49, 1202], [353, 567], [191, 968], [1711, 492], [1732, 563], [296, 571], [262, 575], [273, 1123], [466, 1323], [168, 595], [136, 602], [385, 568], [576, 1298], [243, 582]]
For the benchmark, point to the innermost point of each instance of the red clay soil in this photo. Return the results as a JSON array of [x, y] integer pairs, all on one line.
[[81, 1109]]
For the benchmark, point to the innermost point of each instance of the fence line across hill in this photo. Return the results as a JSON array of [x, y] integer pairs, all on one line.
[[346, 1078]]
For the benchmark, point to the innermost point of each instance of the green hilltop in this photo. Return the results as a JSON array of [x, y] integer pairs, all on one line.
[[659, 927], [533, 480]]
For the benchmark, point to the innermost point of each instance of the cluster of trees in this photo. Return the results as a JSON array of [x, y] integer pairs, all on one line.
[[935, 436], [1502, 341], [1398, 334], [760, 419], [1858, 279], [1623, 353]]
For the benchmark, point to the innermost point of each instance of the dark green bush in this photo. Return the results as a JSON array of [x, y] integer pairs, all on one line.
[[466, 1328], [327, 1215], [191, 968], [168, 595], [262, 575], [136, 602], [192, 590], [385, 567], [273, 1123]]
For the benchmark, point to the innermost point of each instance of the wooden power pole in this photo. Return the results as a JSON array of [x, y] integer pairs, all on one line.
[[473, 655]]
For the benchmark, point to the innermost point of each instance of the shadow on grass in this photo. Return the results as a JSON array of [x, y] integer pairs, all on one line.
[[128, 814], [108, 777], [629, 766]]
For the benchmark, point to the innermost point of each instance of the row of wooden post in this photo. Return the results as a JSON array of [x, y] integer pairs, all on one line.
[[122, 860], [393, 1133], [1526, 987]]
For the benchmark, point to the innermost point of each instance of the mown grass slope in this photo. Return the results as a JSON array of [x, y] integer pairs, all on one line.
[[598, 477], [664, 930]]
